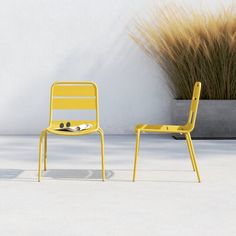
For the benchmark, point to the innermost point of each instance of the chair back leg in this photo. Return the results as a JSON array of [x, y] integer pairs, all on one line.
[[40, 155], [192, 155], [102, 153], [136, 154], [45, 150], [190, 152]]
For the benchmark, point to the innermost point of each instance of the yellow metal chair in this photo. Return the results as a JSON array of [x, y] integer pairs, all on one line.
[[185, 129], [72, 96]]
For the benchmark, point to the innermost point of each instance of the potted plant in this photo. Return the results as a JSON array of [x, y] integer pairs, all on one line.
[[192, 46]]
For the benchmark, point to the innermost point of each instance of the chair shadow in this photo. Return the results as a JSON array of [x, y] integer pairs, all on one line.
[[63, 174], [77, 174], [168, 181], [154, 180], [9, 174]]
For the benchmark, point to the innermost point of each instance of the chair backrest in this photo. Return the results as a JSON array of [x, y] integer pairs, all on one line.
[[194, 106], [74, 96]]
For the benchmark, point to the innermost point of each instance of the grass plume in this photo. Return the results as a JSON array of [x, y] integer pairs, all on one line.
[[192, 46]]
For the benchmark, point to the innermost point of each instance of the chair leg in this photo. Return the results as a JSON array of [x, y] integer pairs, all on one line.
[[40, 156], [100, 131], [45, 150], [192, 153], [136, 154]]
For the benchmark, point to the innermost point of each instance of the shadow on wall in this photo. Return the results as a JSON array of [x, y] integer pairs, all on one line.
[[129, 83]]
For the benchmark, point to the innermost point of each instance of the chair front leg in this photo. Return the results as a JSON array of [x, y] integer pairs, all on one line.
[[188, 136], [40, 155], [101, 133], [45, 150], [136, 154]]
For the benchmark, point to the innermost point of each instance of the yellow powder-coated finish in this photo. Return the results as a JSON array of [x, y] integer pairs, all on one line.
[[72, 96], [184, 129], [74, 103]]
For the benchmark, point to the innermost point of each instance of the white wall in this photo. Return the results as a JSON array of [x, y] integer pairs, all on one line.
[[51, 40]]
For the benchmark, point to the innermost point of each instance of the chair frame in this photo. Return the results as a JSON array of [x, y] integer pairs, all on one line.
[[44, 133], [183, 130]]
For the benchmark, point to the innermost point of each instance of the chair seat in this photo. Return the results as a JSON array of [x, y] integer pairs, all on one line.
[[161, 128], [66, 133]]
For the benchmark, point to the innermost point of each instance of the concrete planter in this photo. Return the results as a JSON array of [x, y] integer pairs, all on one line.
[[215, 119]]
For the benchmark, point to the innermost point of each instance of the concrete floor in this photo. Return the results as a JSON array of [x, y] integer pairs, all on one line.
[[71, 200]]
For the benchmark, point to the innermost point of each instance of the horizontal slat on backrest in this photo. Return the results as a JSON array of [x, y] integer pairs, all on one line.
[[75, 90], [56, 123], [73, 103]]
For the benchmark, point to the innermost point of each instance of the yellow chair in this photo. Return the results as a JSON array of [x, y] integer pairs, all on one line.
[[185, 129], [72, 96]]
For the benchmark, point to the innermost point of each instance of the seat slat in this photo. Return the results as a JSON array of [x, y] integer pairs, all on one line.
[[85, 90], [73, 103]]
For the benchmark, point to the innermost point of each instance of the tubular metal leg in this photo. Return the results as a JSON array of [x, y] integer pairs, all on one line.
[[136, 154], [188, 136], [100, 131], [40, 156], [45, 150], [190, 152]]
